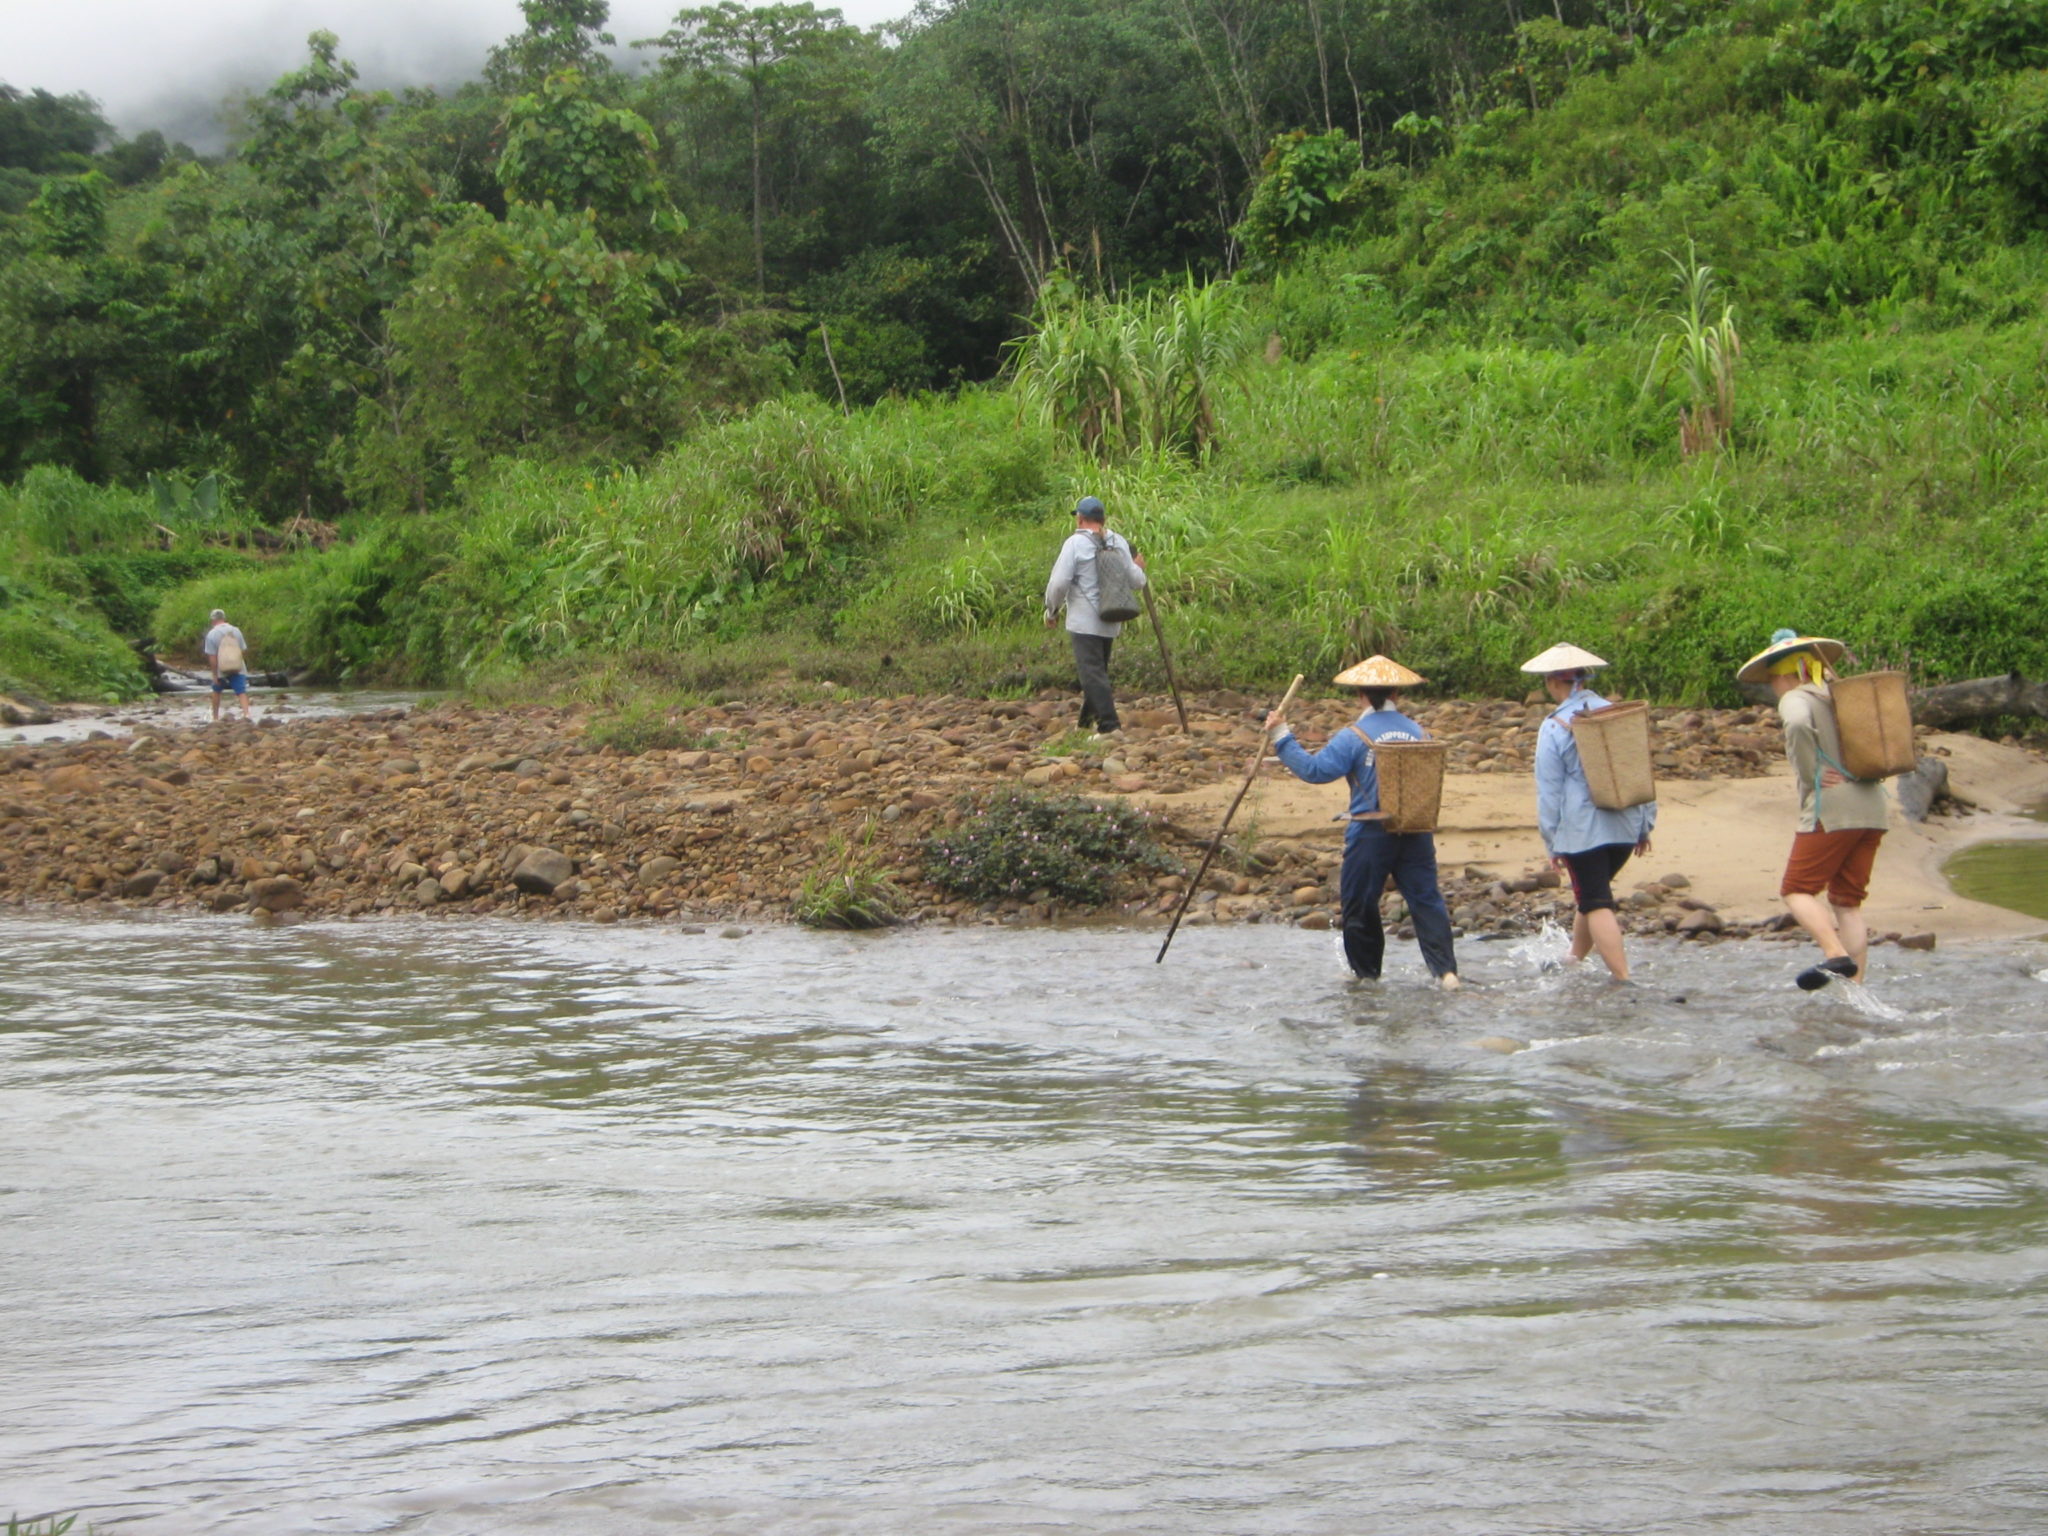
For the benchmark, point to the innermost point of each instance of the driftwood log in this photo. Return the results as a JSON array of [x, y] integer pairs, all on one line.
[[1981, 698]]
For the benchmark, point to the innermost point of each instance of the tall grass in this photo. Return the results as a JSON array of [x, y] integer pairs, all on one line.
[[1142, 375], [1519, 493]]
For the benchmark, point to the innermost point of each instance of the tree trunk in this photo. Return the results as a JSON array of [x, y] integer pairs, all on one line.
[[760, 258], [1981, 698]]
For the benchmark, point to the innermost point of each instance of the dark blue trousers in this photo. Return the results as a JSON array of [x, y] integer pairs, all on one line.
[[1372, 856]]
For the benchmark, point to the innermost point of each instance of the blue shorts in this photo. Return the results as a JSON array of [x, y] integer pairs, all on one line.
[[239, 681]]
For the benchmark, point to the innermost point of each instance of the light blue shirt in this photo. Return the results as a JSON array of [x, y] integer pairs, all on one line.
[[1344, 756], [1565, 813]]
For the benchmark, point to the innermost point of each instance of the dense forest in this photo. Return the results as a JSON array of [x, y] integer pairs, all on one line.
[[777, 347]]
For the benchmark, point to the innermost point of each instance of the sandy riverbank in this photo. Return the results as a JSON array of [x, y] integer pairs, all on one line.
[[438, 809]]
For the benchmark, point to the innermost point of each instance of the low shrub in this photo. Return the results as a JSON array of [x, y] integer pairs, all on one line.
[[1070, 847], [647, 725], [849, 890]]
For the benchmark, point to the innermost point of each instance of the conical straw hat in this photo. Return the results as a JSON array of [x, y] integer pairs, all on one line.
[[1377, 672], [1562, 658], [1784, 643]]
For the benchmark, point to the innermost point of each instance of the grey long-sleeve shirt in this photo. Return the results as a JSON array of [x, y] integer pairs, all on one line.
[[1075, 585], [1812, 744]]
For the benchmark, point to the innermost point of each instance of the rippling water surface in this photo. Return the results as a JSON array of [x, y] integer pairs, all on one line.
[[462, 1229]]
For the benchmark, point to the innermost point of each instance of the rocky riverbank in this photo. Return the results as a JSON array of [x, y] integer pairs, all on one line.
[[454, 810]]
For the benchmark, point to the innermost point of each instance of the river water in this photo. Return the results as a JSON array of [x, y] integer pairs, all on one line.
[[192, 710], [436, 1228]]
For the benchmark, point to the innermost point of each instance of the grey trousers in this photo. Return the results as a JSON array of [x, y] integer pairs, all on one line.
[[1091, 660]]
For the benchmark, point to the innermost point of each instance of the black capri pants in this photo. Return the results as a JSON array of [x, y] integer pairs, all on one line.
[[1593, 874]]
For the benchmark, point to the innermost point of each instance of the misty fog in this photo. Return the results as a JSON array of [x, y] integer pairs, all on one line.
[[172, 67]]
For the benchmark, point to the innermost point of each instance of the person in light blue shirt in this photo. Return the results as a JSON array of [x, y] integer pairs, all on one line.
[[1372, 854], [1075, 586], [1588, 843]]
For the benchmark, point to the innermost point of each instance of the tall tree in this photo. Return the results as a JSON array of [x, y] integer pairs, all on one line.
[[559, 34], [763, 49]]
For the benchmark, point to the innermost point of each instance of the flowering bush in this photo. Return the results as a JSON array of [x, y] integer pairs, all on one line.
[[1019, 844]]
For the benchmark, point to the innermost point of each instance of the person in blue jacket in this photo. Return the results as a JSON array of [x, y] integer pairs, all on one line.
[[1589, 844], [1372, 854]]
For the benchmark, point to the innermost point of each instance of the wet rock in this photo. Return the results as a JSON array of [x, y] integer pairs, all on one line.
[[143, 883], [1319, 921], [1693, 924], [542, 871], [276, 893], [1917, 941], [15, 711]]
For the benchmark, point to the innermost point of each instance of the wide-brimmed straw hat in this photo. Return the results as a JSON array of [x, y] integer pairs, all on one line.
[[1563, 658], [1377, 672], [1787, 642]]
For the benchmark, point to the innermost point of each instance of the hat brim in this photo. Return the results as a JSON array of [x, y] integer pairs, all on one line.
[[1563, 658], [1758, 668], [1378, 672]]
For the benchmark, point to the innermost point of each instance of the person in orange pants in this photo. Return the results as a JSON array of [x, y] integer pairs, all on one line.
[[1841, 819]]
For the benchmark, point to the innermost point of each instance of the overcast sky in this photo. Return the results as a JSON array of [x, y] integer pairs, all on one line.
[[167, 63]]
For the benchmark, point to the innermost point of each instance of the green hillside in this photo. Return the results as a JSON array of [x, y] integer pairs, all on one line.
[[1670, 328]]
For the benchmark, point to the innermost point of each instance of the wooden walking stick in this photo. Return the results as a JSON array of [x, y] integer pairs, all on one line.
[[1166, 656], [1250, 773]]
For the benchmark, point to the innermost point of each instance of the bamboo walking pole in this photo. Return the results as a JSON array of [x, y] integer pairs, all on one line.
[[1252, 772], [1166, 657]]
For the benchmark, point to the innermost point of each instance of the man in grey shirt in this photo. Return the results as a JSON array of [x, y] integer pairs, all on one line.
[[1074, 585]]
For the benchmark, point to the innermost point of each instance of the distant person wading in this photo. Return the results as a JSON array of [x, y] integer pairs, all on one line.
[[1077, 585], [227, 653]]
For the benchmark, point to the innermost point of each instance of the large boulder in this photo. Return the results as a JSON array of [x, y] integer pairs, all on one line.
[[542, 870], [71, 779], [656, 871], [276, 893], [1918, 790], [24, 712]]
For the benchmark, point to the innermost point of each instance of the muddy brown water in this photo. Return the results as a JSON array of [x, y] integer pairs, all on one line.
[[433, 1229]]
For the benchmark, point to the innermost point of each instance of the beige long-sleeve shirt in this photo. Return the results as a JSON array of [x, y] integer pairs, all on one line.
[[1809, 717]]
